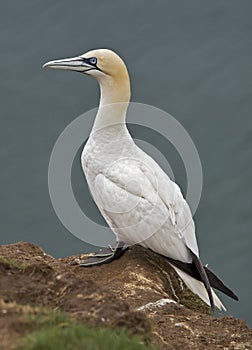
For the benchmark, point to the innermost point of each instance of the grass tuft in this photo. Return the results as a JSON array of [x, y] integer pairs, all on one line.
[[67, 336]]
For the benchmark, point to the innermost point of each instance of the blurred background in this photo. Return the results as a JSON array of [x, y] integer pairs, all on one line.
[[189, 58]]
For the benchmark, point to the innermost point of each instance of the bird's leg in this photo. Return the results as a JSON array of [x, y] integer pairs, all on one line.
[[105, 255]]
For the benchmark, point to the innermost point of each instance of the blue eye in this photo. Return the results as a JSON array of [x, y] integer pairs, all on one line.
[[93, 60]]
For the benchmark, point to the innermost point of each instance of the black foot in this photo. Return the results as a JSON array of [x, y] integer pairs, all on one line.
[[105, 255]]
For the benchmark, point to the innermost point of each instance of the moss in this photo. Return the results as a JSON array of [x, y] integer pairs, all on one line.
[[192, 302], [12, 263], [37, 267]]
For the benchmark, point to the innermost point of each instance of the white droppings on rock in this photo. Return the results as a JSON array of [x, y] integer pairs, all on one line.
[[157, 304]]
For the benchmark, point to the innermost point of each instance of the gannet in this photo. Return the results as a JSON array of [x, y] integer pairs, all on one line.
[[140, 203]]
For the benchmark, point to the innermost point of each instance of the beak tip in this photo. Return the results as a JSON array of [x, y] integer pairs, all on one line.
[[45, 65]]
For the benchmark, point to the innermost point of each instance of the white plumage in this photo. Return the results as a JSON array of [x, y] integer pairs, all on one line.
[[136, 197], [139, 201]]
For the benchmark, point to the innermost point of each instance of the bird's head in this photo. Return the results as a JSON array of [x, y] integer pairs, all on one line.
[[102, 64], [106, 66]]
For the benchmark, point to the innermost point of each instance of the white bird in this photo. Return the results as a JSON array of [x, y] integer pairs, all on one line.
[[135, 196]]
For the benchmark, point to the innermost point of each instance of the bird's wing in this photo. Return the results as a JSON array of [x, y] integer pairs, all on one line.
[[139, 202], [171, 195]]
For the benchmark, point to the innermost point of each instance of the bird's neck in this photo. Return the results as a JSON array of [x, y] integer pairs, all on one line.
[[114, 100]]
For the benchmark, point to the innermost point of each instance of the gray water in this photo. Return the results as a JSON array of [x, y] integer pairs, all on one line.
[[189, 58]]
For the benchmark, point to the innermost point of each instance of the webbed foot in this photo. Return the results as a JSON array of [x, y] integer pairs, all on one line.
[[105, 255]]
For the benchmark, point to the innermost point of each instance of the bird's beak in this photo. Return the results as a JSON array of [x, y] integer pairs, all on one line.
[[78, 64]]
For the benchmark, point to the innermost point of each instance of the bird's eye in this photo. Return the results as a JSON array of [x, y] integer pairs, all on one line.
[[93, 60]]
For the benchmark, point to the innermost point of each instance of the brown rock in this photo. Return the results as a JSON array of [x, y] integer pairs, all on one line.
[[139, 291]]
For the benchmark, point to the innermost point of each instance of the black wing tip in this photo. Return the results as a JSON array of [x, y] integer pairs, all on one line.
[[235, 297], [230, 294], [216, 283]]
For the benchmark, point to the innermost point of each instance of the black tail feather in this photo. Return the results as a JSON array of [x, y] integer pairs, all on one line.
[[192, 270]]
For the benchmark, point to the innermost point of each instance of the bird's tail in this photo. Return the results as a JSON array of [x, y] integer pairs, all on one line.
[[198, 288]]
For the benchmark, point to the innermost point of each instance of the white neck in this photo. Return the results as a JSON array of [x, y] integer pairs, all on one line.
[[114, 100]]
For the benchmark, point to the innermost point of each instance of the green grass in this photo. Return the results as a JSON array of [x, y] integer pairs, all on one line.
[[47, 319], [55, 331], [79, 337]]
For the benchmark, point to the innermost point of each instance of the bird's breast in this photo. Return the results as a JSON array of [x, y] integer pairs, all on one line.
[[105, 151]]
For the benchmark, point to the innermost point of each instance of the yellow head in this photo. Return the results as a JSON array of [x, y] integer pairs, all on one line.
[[108, 62], [103, 64]]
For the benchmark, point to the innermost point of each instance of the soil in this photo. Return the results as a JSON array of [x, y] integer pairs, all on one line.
[[139, 291]]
